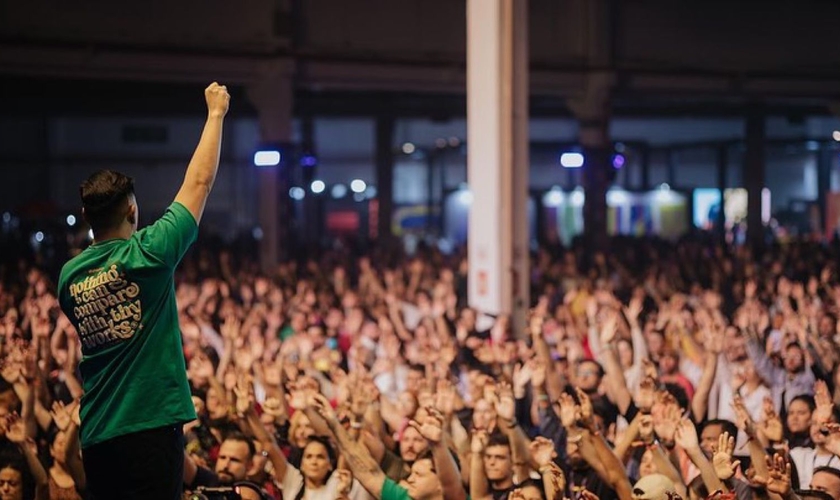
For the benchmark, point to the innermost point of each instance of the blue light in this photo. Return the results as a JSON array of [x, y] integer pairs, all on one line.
[[308, 161], [618, 161]]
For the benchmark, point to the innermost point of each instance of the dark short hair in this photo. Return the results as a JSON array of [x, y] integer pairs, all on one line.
[[829, 470], [498, 439], [427, 455], [242, 438], [725, 425], [598, 366], [104, 194]]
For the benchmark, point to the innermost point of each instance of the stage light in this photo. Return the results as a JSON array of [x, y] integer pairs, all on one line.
[[308, 161], [297, 193], [317, 186], [266, 158], [358, 186], [571, 160], [554, 197], [338, 191], [71, 220]]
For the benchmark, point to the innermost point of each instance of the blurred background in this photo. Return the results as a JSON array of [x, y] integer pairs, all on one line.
[[348, 119]]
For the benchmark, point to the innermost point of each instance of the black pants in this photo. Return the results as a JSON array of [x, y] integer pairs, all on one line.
[[143, 465]]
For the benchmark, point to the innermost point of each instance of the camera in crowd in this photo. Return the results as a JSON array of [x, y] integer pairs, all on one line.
[[216, 493], [226, 492]]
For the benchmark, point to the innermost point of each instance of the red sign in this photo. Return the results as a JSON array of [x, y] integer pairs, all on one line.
[[482, 283]]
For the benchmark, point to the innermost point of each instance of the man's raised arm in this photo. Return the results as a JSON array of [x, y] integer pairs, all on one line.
[[201, 171], [361, 463]]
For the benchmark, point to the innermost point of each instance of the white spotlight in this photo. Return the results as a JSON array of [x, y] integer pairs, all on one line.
[[266, 158], [571, 160]]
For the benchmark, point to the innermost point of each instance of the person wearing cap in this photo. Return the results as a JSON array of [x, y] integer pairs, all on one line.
[[653, 487]]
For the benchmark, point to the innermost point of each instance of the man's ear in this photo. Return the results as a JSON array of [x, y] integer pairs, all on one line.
[[132, 213]]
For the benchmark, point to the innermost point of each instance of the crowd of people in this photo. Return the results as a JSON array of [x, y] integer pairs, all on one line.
[[651, 372]]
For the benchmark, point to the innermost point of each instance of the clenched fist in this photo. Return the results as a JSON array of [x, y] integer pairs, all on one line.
[[217, 98]]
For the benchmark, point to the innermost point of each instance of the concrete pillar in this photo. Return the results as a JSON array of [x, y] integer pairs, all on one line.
[[497, 157], [645, 161], [312, 224], [755, 135], [272, 96], [592, 111], [384, 176], [722, 166], [824, 157]]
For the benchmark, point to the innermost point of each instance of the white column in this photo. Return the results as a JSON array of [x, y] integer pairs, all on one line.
[[497, 161]]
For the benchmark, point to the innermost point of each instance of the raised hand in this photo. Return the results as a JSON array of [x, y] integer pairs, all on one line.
[[666, 426], [445, 398], [742, 417], [633, 309], [778, 480], [218, 100], [323, 407], [345, 481], [646, 395], [15, 429], [274, 407], [609, 328], [230, 328], [244, 392], [505, 403], [521, 377], [686, 436], [76, 415], [478, 442], [585, 407], [61, 415], [569, 411], [538, 373], [832, 440], [542, 451], [722, 458], [825, 407], [587, 495], [771, 425], [432, 426]]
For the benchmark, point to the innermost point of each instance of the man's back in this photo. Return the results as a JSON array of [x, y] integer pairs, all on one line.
[[119, 294]]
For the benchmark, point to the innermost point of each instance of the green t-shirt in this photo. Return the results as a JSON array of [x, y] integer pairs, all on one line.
[[393, 491], [120, 296]]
